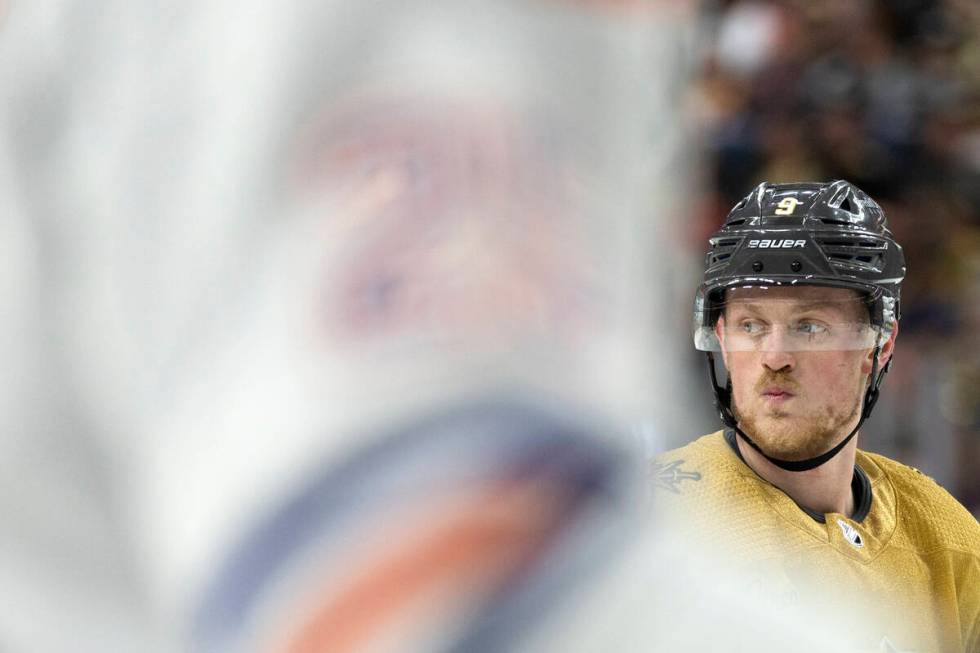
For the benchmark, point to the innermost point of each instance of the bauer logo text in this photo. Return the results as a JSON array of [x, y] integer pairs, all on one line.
[[776, 244]]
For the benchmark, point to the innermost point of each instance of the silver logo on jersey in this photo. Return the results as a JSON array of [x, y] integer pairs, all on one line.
[[669, 476], [850, 533]]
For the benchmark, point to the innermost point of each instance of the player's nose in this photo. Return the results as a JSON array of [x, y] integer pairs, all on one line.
[[776, 357]]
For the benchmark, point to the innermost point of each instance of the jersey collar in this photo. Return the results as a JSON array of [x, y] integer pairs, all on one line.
[[860, 487]]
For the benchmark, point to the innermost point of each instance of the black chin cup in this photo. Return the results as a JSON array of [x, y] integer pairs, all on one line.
[[723, 400]]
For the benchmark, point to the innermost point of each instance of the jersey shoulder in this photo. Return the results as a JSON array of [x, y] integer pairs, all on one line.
[[929, 517], [680, 469], [706, 497], [702, 470]]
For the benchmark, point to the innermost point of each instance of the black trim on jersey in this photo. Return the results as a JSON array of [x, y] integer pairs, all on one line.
[[860, 487]]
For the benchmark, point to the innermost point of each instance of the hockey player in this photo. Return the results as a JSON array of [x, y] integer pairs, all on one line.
[[800, 301]]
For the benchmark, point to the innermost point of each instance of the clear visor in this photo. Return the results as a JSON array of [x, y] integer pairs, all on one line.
[[824, 319]]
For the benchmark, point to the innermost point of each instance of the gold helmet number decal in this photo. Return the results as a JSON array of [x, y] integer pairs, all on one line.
[[787, 205]]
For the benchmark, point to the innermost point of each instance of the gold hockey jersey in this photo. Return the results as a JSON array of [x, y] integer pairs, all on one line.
[[902, 573]]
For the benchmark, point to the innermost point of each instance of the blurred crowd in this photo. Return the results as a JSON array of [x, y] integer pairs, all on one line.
[[885, 94]]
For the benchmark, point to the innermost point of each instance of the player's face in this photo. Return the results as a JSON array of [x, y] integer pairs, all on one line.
[[796, 395]]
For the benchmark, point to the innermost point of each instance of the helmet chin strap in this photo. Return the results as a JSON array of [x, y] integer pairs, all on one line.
[[723, 397]]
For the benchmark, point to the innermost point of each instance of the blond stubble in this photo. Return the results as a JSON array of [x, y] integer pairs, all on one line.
[[788, 437]]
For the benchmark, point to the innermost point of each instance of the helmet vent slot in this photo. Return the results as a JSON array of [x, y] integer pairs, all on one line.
[[852, 243], [845, 205], [721, 250], [854, 254], [827, 220]]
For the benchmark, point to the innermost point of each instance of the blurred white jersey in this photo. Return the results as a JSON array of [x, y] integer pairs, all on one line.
[[248, 243]]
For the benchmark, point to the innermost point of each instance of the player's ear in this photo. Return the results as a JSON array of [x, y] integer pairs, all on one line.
[[888, 348], [886, 351]]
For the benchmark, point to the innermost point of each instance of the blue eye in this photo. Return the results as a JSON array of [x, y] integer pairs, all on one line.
[[811, 328], [751, 327]]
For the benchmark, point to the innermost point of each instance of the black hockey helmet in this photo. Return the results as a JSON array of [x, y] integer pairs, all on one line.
[[802, 234], [814, 234]]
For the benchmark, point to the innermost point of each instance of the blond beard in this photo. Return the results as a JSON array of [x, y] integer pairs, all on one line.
[[797, 438]]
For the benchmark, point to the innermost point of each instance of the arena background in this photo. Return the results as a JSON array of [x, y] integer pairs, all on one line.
[[306, 303]]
